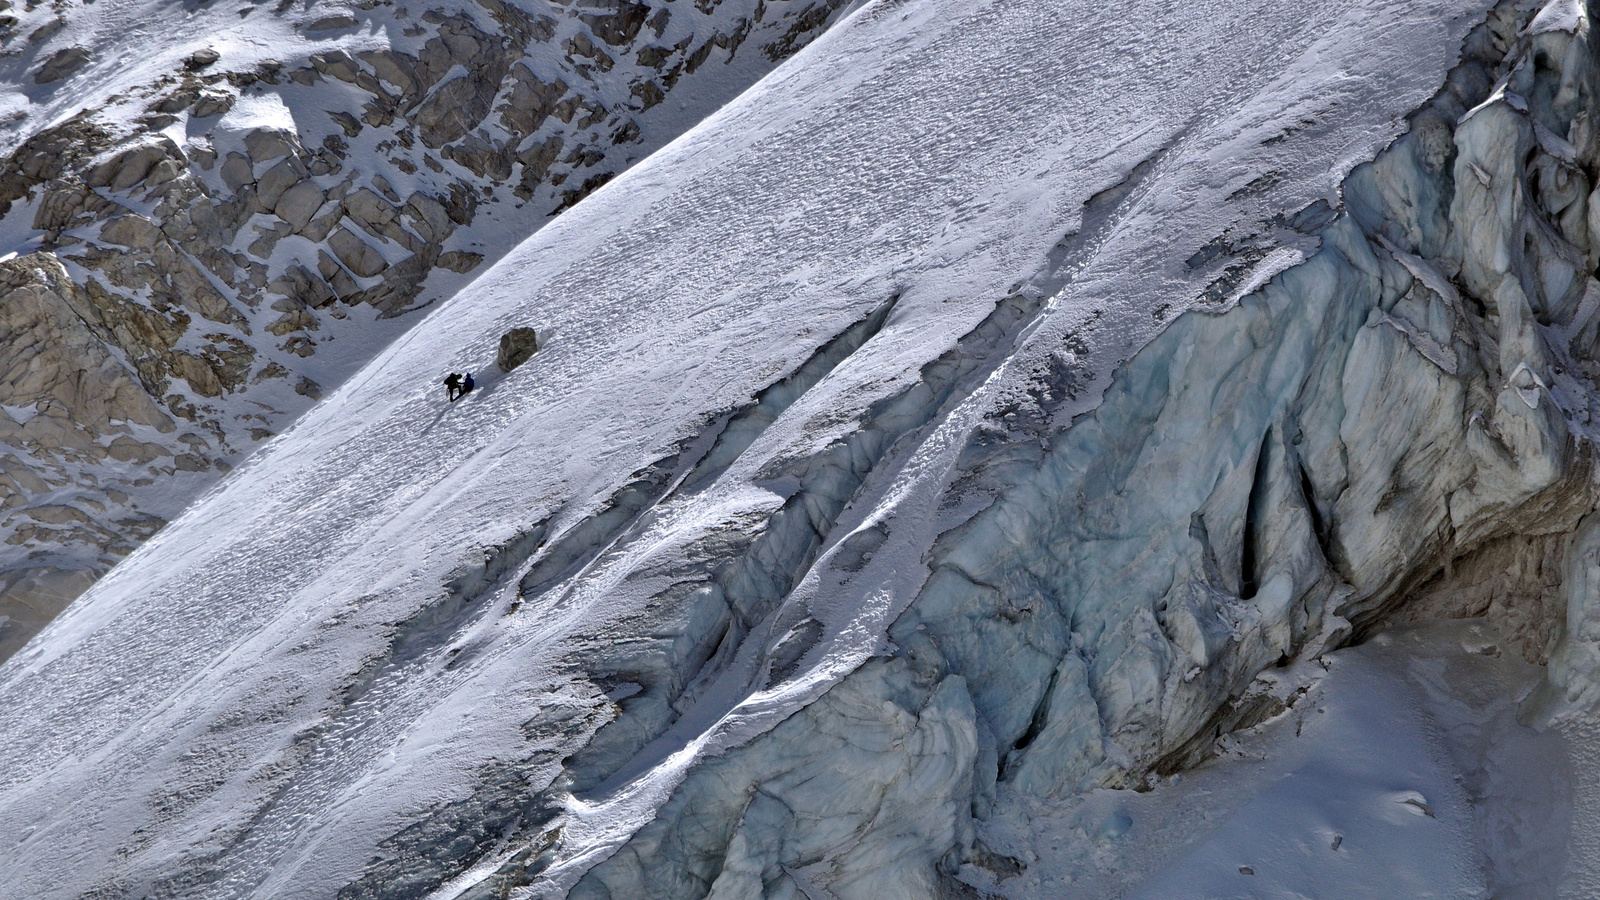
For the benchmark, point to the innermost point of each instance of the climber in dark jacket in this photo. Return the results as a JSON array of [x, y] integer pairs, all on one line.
[[467, 384], [452, 385]]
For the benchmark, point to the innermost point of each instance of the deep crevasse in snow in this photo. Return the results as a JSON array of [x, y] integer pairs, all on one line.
[[913, 456]]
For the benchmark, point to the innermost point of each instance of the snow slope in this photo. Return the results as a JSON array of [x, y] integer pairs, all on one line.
[[225, 207], [377, 659]]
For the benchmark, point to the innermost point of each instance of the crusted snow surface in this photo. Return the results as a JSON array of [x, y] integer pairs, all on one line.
[[381, 658], [249, 200]]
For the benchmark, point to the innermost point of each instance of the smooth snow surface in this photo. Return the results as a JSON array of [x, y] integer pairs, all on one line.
[[1400, 771], [225, 714]]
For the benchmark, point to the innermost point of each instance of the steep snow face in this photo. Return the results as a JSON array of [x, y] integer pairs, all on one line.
[[227, 206], [967, 413]]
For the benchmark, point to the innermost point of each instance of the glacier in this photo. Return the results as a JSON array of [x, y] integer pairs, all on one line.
[[952, 469]]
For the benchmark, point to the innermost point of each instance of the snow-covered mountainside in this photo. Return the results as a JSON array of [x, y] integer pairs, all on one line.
[[214, 211], [957, 467]]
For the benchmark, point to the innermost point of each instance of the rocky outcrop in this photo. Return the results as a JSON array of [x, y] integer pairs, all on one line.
[[517, 346], [208, 252], [65, 62], [32, 597]]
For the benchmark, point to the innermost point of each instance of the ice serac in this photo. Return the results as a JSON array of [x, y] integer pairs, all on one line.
[[1265, 476], [959, 422]]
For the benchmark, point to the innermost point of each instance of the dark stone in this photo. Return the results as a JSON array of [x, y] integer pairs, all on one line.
[[516, 346], [200, 59]]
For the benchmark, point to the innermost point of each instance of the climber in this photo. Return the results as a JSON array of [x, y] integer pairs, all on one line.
[[452, 386], [467, 384]]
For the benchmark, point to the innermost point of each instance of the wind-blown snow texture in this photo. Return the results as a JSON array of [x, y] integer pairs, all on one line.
[[221, 208], [791, 562]]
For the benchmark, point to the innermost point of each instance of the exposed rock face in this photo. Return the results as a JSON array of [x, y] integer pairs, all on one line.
[[73, 406], [63, 63], [517, 346], [32, 597], [205, 237]]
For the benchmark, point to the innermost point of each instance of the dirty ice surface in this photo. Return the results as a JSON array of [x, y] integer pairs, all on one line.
[[1401, 770], [209, 711]]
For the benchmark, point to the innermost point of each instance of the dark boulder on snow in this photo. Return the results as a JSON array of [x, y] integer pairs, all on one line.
[[63, 63], [201, 59], [516, 346]]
